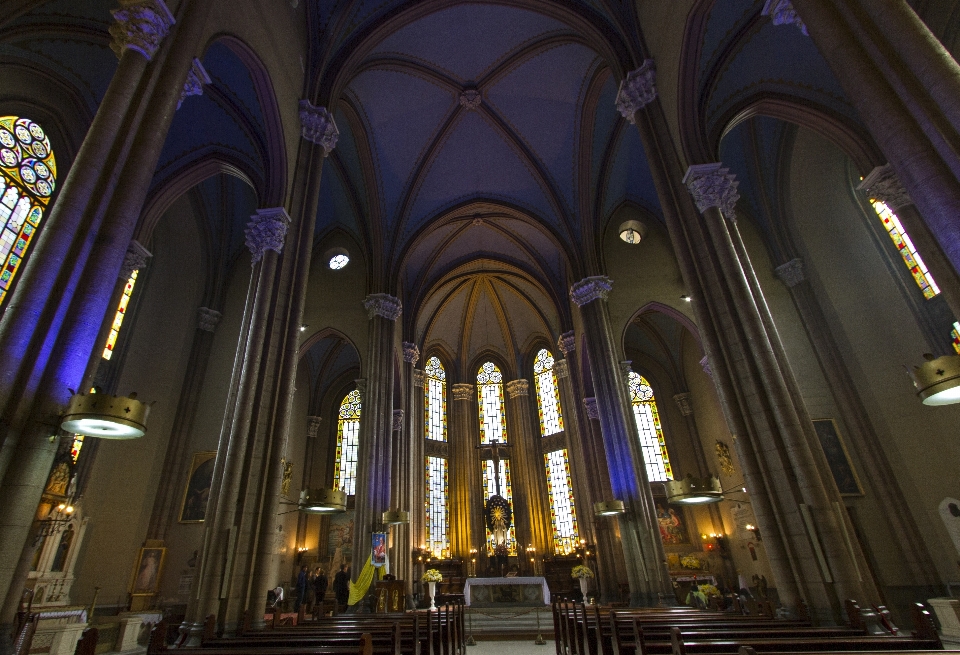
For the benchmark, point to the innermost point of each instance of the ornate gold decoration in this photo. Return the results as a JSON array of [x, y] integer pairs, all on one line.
[[725, 458], [287, 475]]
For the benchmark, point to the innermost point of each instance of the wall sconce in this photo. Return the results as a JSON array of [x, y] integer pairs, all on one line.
[[937, 380], [608, 508], [754, 529], [322, 501], [105, 416]]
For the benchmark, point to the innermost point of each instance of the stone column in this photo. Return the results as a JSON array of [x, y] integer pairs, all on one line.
[[411, 469], [582, 498], [639, 531], [466, 496], [526, 460], [880, 476], [374, 455], [882, 183]]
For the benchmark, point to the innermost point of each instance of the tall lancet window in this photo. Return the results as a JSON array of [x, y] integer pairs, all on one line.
[[493, 428], [563, 514], [28, 174], [348, 442], [648, 425], [907, 250], [438, 517]]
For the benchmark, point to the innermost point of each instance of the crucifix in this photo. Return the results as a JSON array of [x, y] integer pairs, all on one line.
[[495, 445]]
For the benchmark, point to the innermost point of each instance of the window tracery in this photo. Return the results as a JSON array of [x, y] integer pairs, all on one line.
[[563, 514], [548, 394], [435, 390], [348, 441], [435, 410], [645, 412]]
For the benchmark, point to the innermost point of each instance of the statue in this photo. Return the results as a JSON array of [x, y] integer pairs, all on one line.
[[287, 475]]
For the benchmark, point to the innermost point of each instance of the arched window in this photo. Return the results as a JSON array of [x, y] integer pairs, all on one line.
[[548, 395], [493, 427], [909, 253], [348, 441], [28, 174], [119, 316], [435, 411], [955, 336], [563, 513], [648, 425]]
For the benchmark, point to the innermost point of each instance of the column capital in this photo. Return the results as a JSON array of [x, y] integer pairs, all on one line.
[[561, 368], [781, 12], [683, 402], [464, 391], [791, 273], [590, 405], [626, 367], [382, 304], [135, 258], [411, 354], [196, 78], [207, 319], [141, 26], [418, 377], [517, 388], [705, 363], [317, 126], [884, 185], [590, 288], [361, 386], [567, 343], [397, 420], [266, 231], [313, 426], [637, 90], [712, 185]]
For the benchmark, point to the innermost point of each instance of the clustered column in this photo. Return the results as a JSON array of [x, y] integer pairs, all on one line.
[[466, 497], [413, 468]]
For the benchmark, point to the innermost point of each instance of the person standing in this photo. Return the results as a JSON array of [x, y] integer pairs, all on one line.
[[341, 587], [319, 590], [302, 580]]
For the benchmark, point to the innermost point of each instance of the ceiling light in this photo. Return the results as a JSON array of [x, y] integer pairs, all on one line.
[[694, 491], [395, 517], [322, 501], [685, 297], [632, 232], [303, 327], [105, 416], [339, 261], [608, 508], [937, 380]]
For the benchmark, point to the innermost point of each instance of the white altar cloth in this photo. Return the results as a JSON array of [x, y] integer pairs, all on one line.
[[476, 582]]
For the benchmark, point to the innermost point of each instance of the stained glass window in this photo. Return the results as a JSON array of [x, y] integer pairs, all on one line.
[[75, 447], [436, 400], [28, 174], [490, 488], [648, 425], [548, 394], [493, 426], [563, 514], [118, 317], [955, 336], [909, 253], [348, 441], [438, 517]]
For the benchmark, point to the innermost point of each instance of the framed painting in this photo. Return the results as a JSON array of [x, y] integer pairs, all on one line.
[[838, 459], [146, 579], [193, 509]]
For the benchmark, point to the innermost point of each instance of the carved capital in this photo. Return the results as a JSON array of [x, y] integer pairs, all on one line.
[[626, 367], [418, 377], [567, 343], [361, 387], [397, 420], [683, 402], [561, 368], [382, 304], [637, 90], [781, 12], [207, 319], [313, 426], [470, 99], [464, 392], [590, 405], [712, 185], [705, 363], [884, 185], [133, 260], [590, 288], [517, 388], [317, 126], [266, 231], [196, 78], [791, 273], [411, 354], [141, 26]]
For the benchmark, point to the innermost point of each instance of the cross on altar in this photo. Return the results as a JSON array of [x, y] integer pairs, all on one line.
[[495, 447]]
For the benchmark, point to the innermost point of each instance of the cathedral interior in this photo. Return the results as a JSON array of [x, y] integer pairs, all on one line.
[[347, 245]]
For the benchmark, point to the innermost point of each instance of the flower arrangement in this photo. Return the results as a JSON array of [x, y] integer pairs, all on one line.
[[581, 571], [432, 575], [690, 562], [709, 590]]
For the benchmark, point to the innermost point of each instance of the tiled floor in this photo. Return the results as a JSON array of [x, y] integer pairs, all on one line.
[[496, 647]]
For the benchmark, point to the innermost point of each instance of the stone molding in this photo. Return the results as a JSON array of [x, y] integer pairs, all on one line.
[[567, 343], [712, 185], [411, 354], [781, 12], [207, 319], [397, 420], [313, 426], [196, 78], [626, 367], [705, 363], [141, 26], [266, 231], [561, 368], [133, 260], [590, 406], [637, 90], [382, 304], [516, 388], [884, 185], [463, 391], [470, 99], [361, 386], [317, 126], [792, 273], [590, 288], [684, 403], [418, 377]]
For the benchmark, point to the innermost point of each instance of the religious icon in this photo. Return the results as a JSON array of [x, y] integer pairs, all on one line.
[[287, 476], [147, 579], [194, 507], [379, 557], [671, 526], [725, 459]]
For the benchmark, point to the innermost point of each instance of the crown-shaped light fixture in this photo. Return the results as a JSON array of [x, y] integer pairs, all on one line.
[[105, 416], [937, 380], [694, 491], [322, 501]]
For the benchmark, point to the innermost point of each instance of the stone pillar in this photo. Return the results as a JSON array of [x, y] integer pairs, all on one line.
[[529, 474], [582, 499], [376, 425], [880, 476], [466, 496], [639, 531], [411, 468]]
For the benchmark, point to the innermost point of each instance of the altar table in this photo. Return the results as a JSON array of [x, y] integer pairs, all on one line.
[[491, 592]]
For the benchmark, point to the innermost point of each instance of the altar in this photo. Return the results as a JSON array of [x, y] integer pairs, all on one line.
[[493, 592]]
